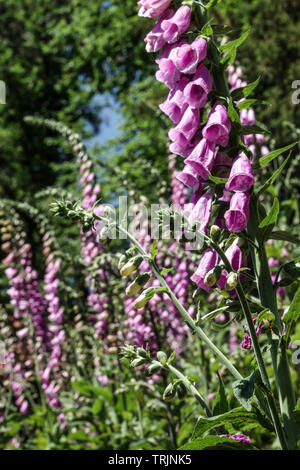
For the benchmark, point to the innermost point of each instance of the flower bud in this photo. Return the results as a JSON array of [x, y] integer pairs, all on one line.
[[162, 357], [137, 362], [137, 284], [215, 233], [142, 352], [154, 367], [122, 261], [131, 265], [181, 390], [212, 277], [232, 281], [169, 392]]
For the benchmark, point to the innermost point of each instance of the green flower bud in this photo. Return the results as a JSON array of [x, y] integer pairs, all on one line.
[[131, 265], [213, 276], [137, 284], [232, 281], [122, 261], [154, 367], [215, 233], [142, 352], [162, 357], [137, 362], [169, 392], [181, 390], [141, 301]]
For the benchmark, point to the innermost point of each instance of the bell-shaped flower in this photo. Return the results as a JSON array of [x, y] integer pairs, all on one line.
[[186, 129], [241, 176], [236, 218], [152, 8], [175, 105], [218, 125], [202, 211], [188, 56], [154, 39], [188, 176], [176, 25], [202, 158], [197, 90], [208, 261]]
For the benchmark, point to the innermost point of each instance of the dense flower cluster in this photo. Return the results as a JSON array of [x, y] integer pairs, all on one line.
[[28, 312]]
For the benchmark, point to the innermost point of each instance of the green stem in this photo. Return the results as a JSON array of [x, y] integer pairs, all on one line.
[[192, 389], [187, 318], [267, 295]]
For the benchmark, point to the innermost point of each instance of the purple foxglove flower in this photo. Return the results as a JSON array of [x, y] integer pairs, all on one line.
[[175, 105], [260, 138], [176, 25], [183, 151], [202, 158], [197, 90], [187, 56], [167, 72], [188, 176], [208, 261], [183, 133], [202, 212], [235, 257], [236, 218], [154, 40], [218, 125], [152, 8], [241, 176]]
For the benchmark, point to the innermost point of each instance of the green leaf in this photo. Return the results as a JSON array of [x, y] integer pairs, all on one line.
[[236, 418], [232, 113], [293, 313], [217, 180], [220, 403], [153, 250], [243, 390], [166, 271], [272, 216], [246, 130], [228, 58], [245, 91], [207, 29], [211, 3], [217, 443], [275, 175], [285, 236], [97, 406], [263, 161], [246, 104], [236, 43]]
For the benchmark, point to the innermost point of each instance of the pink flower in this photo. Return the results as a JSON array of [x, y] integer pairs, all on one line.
[[241, 176], [197, 90], [152, 8], [167, 73], [202, 158], [188, 176], [236, 218], [218, 126], [176, 25], [187, 127], [202, 211], [187, 56], [155, 40], [175, 105], [208, 261]]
